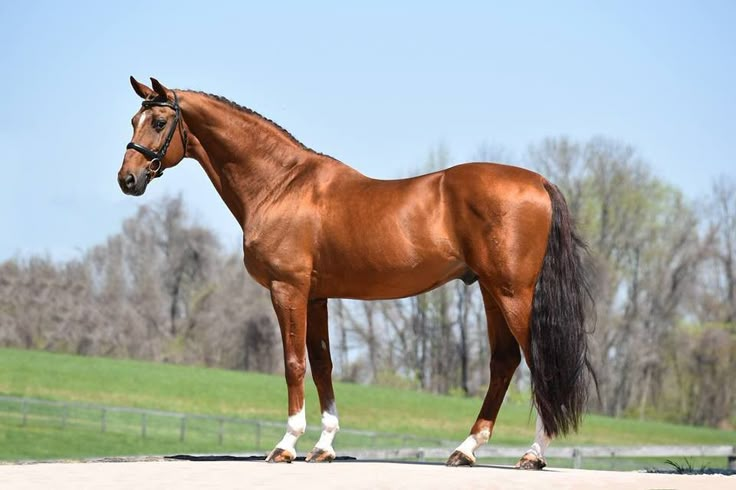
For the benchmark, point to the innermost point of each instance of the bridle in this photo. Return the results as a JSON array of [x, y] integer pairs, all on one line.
[[154, 166]]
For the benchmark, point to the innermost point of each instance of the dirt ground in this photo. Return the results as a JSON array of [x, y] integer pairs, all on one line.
[[159, 474]]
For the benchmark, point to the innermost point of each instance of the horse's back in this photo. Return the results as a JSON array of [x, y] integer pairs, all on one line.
[[496, 180]]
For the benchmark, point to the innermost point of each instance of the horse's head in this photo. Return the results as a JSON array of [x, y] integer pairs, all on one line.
[[155, 145]]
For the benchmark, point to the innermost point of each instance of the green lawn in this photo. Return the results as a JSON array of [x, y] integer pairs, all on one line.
[[217, 392]]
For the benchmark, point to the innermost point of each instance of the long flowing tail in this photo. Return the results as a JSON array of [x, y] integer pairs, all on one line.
[[560, 367]]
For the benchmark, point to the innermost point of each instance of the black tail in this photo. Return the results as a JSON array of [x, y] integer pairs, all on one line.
[[560, 367]]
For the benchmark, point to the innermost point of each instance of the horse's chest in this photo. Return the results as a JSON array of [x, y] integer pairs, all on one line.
[[256, 268], [273, 257]]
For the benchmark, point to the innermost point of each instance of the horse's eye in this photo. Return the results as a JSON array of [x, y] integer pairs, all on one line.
[[159, 124]]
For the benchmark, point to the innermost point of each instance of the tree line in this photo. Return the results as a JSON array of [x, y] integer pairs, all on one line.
[[662, 273]]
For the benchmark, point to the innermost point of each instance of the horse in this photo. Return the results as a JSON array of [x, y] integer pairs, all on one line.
[[315, 228]]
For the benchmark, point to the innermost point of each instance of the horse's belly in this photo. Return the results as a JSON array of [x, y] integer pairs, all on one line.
[[388, 283]]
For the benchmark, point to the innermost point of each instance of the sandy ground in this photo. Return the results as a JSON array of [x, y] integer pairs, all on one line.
[[182, 475]]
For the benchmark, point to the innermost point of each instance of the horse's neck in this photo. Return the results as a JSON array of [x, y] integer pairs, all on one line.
[[245, 156]]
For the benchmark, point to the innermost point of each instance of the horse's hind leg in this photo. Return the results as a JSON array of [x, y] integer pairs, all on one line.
[[318, 348], [517, 310], [505, 358], [533, 458]]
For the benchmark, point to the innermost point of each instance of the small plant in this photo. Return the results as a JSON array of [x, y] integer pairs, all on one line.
[[680, 469], [687, 469]]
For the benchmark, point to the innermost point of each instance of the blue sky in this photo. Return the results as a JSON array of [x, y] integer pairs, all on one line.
[[376, 86]]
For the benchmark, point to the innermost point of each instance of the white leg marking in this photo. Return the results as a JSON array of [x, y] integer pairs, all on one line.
[[295, 427], [473, 442], [330, 426], [541, 440]]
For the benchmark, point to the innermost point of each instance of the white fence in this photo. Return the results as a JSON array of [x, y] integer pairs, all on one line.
[[361, 444], [149, 423]]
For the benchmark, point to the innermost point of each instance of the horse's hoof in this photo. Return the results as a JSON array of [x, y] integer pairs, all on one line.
[[279, 455], [319, 455], [459, 458], [530, 462]]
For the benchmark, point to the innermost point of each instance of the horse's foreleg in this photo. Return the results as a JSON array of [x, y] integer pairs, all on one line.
[[290, 304], [318, 348], [505, 358], [533, 459]]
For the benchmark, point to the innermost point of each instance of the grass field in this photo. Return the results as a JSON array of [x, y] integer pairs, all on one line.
[[256, 396]]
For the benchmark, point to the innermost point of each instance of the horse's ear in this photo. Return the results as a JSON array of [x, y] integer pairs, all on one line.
[[160, 89], [142, 91]]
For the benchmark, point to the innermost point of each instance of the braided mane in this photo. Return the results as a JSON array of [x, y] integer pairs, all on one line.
[[251, 112]]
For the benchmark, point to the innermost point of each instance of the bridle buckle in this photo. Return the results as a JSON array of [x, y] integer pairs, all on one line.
[[154, 169]]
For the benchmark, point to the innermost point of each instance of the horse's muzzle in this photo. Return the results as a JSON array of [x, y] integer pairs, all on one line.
[[131, 184]]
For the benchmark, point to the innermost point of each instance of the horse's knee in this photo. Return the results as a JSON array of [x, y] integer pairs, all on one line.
[[295, 370]]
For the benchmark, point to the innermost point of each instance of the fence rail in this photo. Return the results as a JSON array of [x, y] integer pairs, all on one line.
[[363, 444], [61, 411]]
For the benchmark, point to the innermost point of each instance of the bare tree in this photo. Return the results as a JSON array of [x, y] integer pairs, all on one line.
[[722, 219], [161, 289]]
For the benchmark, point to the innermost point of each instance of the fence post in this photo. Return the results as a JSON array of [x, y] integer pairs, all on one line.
[[182, 428], [103, 420], [577, 459], [144, 423], [221, 422], [25, 412]]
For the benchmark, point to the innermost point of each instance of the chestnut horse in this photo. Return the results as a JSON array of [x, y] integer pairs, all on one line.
[[314, 228]]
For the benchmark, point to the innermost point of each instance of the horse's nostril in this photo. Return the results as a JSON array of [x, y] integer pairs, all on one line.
[[130, 181]]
